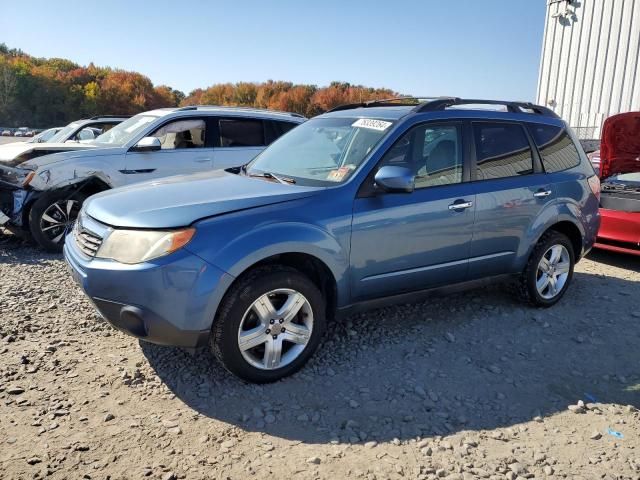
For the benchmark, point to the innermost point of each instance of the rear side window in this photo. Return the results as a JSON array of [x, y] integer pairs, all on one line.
[[274, 129], [502, 150], [241, 132], [556, 147]]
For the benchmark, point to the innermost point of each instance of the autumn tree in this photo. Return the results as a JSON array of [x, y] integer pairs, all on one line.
[[43, 92]]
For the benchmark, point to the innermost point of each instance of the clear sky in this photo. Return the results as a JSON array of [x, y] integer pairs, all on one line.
[[471, 48]]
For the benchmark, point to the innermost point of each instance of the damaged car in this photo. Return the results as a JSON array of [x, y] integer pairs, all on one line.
[[74, 136], [41, 194], [619, 170]]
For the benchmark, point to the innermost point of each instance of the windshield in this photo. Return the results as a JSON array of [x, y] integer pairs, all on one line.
[[322, 151], [124, 132], [64, 133]]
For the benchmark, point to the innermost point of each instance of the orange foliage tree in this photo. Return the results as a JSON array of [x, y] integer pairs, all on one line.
[[41, 92]]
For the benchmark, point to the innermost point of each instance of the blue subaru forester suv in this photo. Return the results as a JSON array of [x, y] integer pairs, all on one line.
[[368, 203]]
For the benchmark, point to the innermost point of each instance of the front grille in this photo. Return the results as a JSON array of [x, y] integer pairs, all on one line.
[[88, 242]]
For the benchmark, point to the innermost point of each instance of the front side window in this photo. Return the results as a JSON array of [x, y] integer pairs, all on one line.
[[432, 152], [502, 150], [241, 132], [556, 148], [181, 134], [321, 151]]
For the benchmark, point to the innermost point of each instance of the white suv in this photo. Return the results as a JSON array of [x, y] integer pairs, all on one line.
[[43, 195]]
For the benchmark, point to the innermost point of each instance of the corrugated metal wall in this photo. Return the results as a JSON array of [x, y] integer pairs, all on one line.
[[589, 65]]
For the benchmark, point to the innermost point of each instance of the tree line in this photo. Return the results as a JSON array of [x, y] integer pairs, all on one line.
[[45, 92]]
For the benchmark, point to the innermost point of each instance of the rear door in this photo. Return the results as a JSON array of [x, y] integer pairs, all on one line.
[[238, 141], [512, 192], [186, 148]]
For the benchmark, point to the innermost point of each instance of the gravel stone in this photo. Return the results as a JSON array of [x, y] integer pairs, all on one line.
[[387, 395]]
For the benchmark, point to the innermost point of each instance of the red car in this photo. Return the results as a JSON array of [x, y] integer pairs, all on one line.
[[618, 165]]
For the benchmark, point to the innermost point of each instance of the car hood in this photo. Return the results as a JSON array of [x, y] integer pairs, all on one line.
[[620, 146], [12, 154], [179, 201], [621, 163]]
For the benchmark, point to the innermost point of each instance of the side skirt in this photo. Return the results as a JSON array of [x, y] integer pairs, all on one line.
[[421, 295]]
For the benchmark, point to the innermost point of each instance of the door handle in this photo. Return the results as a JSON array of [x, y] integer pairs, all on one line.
[[460, 205], [202, 160], [542, 193]]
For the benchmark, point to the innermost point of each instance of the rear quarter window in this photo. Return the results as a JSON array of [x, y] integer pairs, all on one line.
[[274, 129], [556, 148]]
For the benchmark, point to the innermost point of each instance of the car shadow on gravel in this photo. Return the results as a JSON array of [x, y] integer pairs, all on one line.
[[614, 259], [470, 361]]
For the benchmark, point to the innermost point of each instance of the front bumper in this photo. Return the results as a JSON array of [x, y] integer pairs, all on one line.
[[12, 202], [619, 232], [169, 301]]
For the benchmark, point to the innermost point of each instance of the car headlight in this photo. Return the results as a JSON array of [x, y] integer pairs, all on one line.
[[136, 246]]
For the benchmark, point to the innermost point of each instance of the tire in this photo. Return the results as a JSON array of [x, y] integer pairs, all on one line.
[[531, 280], [239, 310], [43, 215]]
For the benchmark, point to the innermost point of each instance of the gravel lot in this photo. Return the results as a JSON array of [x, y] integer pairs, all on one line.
[[468, 386], [4, 140]]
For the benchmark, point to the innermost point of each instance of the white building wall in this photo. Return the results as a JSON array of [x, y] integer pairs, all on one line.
[[589, 64]]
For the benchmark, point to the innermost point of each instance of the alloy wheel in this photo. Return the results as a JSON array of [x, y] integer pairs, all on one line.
[[275, 329], [553, 271], [58, 219]]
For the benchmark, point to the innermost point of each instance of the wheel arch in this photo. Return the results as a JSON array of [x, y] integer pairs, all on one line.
[[308, 264], [89, 186], [562, 225], [571, 230]]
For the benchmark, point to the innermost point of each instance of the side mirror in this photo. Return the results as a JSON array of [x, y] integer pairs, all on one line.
[[395, 179], [147, 144]]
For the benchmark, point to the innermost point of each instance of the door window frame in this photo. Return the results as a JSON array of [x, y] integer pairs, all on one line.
[[207, 136], [216, 131], [535, 155], [367, 187]]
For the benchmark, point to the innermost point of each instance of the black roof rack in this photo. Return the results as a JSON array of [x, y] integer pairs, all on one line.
[[385, 102], [434, 104], [96, 117], [513, 107]]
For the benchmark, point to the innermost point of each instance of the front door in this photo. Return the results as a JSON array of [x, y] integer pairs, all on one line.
[[404, 242], [185, 149]]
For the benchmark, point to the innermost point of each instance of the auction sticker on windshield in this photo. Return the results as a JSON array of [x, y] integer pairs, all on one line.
[[379, 125], [339, 174]]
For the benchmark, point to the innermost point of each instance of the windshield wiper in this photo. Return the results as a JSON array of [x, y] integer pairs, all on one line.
[[285, 180]]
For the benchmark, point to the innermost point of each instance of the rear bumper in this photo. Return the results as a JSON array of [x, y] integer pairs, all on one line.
[[169, 301], [619, 232]]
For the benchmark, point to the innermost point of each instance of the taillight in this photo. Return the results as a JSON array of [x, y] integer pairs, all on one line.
[[594, 183]]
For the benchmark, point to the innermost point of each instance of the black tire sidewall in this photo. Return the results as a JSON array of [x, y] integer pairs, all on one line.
[[547, 242], [224, 337], [37, 210]]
